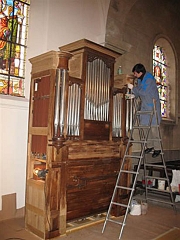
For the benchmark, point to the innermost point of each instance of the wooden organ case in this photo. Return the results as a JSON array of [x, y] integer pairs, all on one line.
[[77, 137]]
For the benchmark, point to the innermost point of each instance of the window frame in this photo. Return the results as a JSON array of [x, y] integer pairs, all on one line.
[[171, 80], [14, 17]]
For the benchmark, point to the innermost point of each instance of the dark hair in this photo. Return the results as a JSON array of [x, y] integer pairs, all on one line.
[[139, 68]]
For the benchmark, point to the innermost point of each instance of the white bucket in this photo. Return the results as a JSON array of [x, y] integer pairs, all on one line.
[[161, 184], [136, 210]]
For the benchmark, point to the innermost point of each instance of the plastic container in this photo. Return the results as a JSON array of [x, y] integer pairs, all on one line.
[[144, 208], [161, 184]]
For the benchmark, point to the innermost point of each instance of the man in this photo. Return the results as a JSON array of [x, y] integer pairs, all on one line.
[[147, 91]]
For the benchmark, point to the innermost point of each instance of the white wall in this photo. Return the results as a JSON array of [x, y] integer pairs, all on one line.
[[61, 22], [13, 141], [53, 23]]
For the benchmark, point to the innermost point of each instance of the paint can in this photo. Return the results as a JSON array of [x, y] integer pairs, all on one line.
[[161, 184]]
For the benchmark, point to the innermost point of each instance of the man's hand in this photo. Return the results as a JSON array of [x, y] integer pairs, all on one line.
[[129, 96], [130, 86]]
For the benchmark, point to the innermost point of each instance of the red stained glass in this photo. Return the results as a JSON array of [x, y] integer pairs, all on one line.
[[14, 17], [160, 74]]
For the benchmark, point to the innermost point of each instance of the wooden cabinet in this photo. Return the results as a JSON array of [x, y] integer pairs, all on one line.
[[77, 138]]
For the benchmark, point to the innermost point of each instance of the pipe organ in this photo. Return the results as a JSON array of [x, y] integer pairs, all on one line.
[[77, 136]]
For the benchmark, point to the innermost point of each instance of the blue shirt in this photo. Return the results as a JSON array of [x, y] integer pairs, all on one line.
[[147, 90]]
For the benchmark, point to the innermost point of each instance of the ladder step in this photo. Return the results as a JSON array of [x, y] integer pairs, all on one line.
[[155, 126], [110, 220], [154, 165], [127, 188], [158, 190], [155, 139], [158, 178], [137, 141], [132, 156], [120, 204], [144, 112], [141, 127], [161, 201], [151, 139], [126, 171]]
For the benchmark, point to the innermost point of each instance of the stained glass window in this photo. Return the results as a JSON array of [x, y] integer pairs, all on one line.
[[160, 74], [14, 17]]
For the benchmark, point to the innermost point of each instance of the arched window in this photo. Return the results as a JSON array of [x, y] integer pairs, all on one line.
[[160, 74], [14, 16], [164, 69]]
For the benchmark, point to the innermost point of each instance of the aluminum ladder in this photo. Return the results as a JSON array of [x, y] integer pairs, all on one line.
[[141, 133]]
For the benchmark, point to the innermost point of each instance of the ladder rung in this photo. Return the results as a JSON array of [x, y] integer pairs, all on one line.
[[141, 127], [126, 171], [132, 156], [155, 139], [120, 204], [144, 112], [158, 178], [155, 126], [157, 200], [145, 126], [158, 190], [110, 220], [137, 141], [154, 165], [127, 188]]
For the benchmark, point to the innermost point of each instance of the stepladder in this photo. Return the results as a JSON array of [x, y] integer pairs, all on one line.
[[149, 164]]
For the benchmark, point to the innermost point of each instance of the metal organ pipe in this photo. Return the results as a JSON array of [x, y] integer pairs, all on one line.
[[74, 99], [117, 114], [57, 107], [77, 110], [117, 118], [60, 99], [69, 110], [59, 102], [97, 90]]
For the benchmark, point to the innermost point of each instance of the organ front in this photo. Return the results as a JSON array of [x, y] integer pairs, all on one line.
[[77, 135]]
